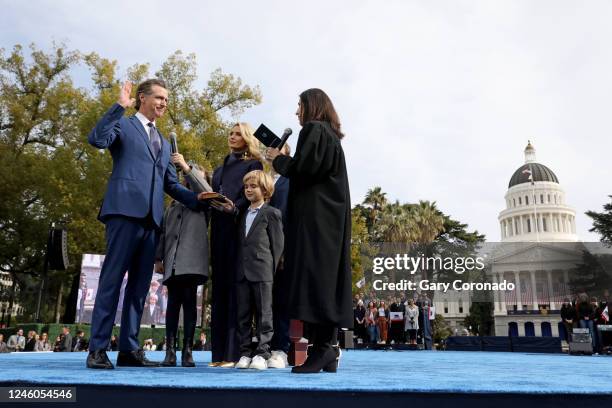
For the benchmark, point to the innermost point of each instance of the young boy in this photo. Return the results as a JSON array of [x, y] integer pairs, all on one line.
[[260, 246]]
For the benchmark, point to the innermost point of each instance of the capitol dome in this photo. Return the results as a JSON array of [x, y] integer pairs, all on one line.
[[535, 205], [538, 171]]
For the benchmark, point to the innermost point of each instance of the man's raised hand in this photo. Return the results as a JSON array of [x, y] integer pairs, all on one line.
[[125, 98]]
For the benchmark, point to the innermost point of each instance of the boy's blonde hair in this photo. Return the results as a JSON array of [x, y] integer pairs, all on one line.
[[263, 180]]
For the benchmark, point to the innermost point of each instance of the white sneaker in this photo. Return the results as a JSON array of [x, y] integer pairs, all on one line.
[[278, 360], [259, 363], [244, 362]]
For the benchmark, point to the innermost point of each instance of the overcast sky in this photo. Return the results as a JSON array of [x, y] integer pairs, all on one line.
[[437, 98]]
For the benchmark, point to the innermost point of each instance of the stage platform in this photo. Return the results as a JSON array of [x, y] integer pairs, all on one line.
[[442, 378]]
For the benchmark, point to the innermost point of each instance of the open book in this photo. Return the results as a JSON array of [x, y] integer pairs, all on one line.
[[211, 195]]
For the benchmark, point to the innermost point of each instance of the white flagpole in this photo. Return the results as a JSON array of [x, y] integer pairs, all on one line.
[[535, 210]]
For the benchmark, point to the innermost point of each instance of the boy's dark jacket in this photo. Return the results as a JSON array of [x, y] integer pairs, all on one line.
[[260, 250]]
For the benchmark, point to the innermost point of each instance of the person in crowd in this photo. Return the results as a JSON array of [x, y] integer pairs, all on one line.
[[66, 340], [17, 341], [43, 343], [586, 314], [280, 340], [411, 321], [371, 325], [202, 344], [81, 296], [605, 337], [383, 322], [132, 211], [31, 341], [148, 345], [113, 345], [152, 313], [163, 298], [260, 246], [58, 344], [360, 320], [568, 318], [597, 320], [317, 255], [79, 343], [424, 322], [182, 256], [227, 180], [396, 328], [3, 346]]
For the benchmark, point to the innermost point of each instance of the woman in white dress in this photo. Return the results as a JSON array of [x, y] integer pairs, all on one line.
[[411, 323]]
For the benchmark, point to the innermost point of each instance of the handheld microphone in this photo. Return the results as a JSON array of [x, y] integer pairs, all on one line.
[[284, 138], [174, 148], [173, 144]]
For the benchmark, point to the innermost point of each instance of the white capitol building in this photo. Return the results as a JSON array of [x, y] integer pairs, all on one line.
[[535, 206], [539, 250]]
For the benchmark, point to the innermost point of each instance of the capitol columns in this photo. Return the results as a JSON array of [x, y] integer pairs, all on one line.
[[502, 295], [534, 290], [496, 299], [550, 223], [519, 300], [551, 298]]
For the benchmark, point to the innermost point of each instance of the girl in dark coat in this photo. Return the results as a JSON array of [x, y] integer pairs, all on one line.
[[319, 229], [182, 256], [227, 180]]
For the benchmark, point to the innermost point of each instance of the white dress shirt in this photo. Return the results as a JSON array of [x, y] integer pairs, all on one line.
[[251, 214], [143, 119]]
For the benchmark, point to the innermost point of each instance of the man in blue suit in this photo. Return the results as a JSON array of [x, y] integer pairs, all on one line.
[[132, 211]]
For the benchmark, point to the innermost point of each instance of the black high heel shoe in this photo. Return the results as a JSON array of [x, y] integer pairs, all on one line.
[[333, 366], [319, 359]]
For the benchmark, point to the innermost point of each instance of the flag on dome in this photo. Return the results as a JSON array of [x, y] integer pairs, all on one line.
[[528, 171]]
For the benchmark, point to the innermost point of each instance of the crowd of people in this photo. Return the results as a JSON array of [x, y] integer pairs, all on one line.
[[65, 342], [393, 321], [587, 313], [299, 212], [34, 342]]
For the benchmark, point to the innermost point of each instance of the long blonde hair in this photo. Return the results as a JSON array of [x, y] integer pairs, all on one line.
[[253, 146]]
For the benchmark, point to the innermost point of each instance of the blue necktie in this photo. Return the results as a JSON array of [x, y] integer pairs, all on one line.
[[154, 139]]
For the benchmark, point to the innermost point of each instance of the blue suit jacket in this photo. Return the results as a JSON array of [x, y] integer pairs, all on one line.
[[138, 180]]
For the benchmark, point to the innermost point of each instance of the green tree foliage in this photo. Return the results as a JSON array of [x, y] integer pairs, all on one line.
[[359, 239], [53, 175], [480, 319], [441, 329], [594, 275], [602, 223], [414, 228]]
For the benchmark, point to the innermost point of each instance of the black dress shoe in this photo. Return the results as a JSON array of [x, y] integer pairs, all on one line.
[[99, 359], [134, 358]]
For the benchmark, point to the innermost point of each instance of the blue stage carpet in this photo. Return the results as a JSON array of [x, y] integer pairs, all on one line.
[[369, 371]]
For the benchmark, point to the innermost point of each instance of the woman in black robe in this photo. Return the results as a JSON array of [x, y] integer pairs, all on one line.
[[319, 230], [227, 180]]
